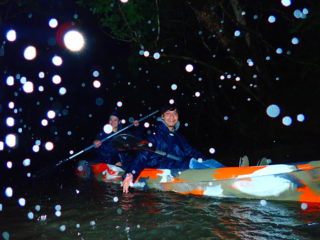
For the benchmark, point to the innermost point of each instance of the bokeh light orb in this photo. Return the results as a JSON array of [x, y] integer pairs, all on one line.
[[41, 75], [44, 122], [287, 121], [156, 55], [96, 83], [10, 80], [272, 19], [51, 114], [28, 87], [53, 23], [11, 140], [197, 94], [273, 110], [119, 104], [9, 192], [57, 60], [35, 148], [286, 3], [26, 162], [146, 125], [124, 1], [189, 67], [30, 53], [174, 87], [11, 35], [146, 53], [62, 91], [107, 128], [212, 150], [74, 40], [56, 79], [301, 117], [10, 121], [49, 146], [171, 101]]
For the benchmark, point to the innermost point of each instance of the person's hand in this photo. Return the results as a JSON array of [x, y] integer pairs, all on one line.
[[136, 123], [127, 182], [119, 164], [97, 143]]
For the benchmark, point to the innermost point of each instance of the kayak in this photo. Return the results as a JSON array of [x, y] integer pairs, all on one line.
[[284, 182]]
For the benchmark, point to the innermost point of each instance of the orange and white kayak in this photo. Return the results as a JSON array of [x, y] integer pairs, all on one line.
[[286, 182]]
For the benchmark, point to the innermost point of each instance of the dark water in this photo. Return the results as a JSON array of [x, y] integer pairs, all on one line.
[[92, 210]]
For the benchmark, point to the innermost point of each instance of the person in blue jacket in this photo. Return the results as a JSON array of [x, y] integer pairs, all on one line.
[[167, 139], [105, 152]]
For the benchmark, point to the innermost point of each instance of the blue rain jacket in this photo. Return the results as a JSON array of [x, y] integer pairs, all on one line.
[[170, 142], [107, 154]]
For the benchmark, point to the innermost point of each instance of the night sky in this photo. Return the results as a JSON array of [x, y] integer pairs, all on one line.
[[222, 70]]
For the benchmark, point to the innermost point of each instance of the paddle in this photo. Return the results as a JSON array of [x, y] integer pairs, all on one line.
[[125, 142], [46, 170]]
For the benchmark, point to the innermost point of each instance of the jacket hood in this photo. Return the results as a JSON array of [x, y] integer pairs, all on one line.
[[161, 123]]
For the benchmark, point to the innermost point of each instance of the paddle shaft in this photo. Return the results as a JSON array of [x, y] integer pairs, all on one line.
[[104, 139]]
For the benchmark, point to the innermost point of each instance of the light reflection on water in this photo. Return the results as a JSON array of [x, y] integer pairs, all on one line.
[[90, 212]]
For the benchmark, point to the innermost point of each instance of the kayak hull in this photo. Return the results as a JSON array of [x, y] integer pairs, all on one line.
[[283, 182]]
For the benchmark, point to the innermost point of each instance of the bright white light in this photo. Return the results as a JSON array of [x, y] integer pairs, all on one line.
[[107, 128], [156, 55], [9, 192], [238, 79], [171, 101], [300, 117], [30, 53], [9, 164], [62, 91], [40, 88], [51, 114], [22, 202], [124, 1], [1, 145], [11, 140], [273, 110], [119, 104], [11, 35], [212, 150], [56, 79], [295, 41], [123, 121], [146, 125], [73, 40], [35, 148], [44, 122], [10, 81], [272, 19], [279, 51], [11, 105], [28, 87], [57, 61], [26, 162], [237, 33], [286, 3], [53, 23], [189, 67], [146, 53], [174, 87], [287, 121], [95, 73], [49, 146], [96, 83], [41, 75], [10, 121], [197, 94]]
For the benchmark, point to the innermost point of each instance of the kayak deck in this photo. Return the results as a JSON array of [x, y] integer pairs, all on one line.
[[286, 182]]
